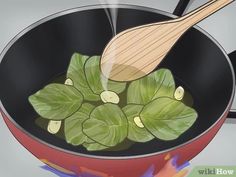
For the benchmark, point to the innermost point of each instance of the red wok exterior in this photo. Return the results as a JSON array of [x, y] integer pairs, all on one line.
[[123, 167]]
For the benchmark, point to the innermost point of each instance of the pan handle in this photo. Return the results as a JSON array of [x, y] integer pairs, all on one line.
[[179, 11], [232, 57], [181, 7]]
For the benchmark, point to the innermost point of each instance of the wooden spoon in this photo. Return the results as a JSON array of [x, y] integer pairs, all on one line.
[[137, 51]]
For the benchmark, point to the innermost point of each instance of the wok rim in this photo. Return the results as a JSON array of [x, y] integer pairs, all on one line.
[[102, 6]]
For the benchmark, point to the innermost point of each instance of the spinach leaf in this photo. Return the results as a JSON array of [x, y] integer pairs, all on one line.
[[167, 118], [56, 101], [126, 144], [94, 146], [77, 74], [95, 78], [158, 84], [107, 125], [73, 125], [136, 133]]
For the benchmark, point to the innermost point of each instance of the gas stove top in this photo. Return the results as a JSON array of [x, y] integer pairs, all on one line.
[[15, 15]]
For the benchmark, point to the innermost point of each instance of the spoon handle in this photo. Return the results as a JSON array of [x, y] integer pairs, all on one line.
[[203, 12]]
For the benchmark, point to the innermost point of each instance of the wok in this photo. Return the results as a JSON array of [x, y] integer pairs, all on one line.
[[42, 52]]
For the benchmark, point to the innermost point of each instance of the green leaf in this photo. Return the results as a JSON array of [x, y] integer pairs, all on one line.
[[167, 118], [89, 141], [136, 133], [158, 84], [107, 125], [126, 144], [94, 146], [56, 101], [77, 74], [73, 125], [97, 81]]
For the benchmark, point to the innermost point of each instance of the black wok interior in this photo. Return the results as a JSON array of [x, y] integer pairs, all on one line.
[[44, 52]]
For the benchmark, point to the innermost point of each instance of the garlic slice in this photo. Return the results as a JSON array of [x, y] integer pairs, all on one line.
[[54, 126], [69, 82], [138, 122], [109, 97], [179, 93]]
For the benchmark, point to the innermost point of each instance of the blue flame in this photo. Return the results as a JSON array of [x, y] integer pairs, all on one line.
[[61, 174]]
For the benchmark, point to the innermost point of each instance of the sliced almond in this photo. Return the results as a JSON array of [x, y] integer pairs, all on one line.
[[54, 126], [138, 122], [179, 93], [109, 97]]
